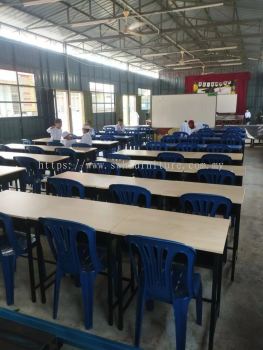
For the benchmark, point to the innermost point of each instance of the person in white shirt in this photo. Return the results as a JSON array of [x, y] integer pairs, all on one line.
[[92, 130], [247, 116], [87, 136], [68, 139], [120, 126], [185, 128], [55, 130]]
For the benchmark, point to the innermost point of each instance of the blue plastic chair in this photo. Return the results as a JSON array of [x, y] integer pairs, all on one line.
[[75, 251], [117, 156], [156, 146], [205, 204], [180, 136], [34, 149], [109, 129], [2, 161], [106, 168], [131, 195], [66, 187], [161, 278], [168, 139], [216, 176], [214, 158], [55, 143], [80, 144], [231, 139], [26, 141], [32, 176], [12, 245], [73, 164], [170, 157], [194, 138], [108, 137], [5, 148], [186, 147], [206, 132], [149, 171], [218, 148]]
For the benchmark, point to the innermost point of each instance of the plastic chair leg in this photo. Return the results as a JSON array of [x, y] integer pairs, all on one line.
[[199, 306], [87, 286], [8, 266], [180, 314], [139, 317], [56, 293]]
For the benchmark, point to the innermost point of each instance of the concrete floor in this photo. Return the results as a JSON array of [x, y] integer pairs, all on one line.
[[240, 325]]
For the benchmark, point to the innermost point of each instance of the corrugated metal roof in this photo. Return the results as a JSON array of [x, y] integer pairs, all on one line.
[[179, 28]]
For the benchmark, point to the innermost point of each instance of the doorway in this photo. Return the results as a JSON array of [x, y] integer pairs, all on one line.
[[130, 116]]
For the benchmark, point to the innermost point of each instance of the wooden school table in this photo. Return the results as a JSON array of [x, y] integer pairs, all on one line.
[[168, 189], [9, 174], [176, 168], [101, 145], [86, 152], [190, 156], [202, 147], [202, 233]]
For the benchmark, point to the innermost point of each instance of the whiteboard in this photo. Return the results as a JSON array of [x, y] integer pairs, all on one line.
[[170, 111], [226, 103]]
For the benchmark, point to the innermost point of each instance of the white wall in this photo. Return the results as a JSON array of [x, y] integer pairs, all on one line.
[[226, 103], [170, 111]]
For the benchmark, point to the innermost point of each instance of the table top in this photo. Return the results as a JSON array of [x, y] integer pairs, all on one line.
[[200, 232], [94, 142], [190, 168], [187, 155], [7, 170], [20, 146], [167, 188], [42, 158]]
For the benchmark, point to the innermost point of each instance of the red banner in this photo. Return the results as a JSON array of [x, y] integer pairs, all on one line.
[[241, 83]]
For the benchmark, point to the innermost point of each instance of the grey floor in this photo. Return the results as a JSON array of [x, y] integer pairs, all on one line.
[[240, 325]]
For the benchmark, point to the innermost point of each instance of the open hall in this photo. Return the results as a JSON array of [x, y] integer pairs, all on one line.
[[131, 162]]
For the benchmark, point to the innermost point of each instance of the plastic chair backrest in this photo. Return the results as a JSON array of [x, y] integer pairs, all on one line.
[[26, 141], [157, 275], [80, 144], [66, 187], [194, 138], [5, 148], [9, 233], [216, 159], [106, 168], [168, 139], [206, 204], [108, 137], [117, 156], [216, 176], [73, 245], [32, 175], [149, 171], [131, 195], [34, 149], [206, 132], [218, 147], [180, 136], [170, 157], [109, 129], [55, 143], [186, 147], [231, 139], [156, 146]]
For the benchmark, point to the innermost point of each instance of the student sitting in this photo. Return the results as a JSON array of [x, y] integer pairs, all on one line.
[[87, 136], [191, 125], [55, 130], [91, 130], [68, 139], [120, 126], [185, 128]]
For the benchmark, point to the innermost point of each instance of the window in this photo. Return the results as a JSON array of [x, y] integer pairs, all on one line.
[[102, 97], [17, 94], [145, 99]]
